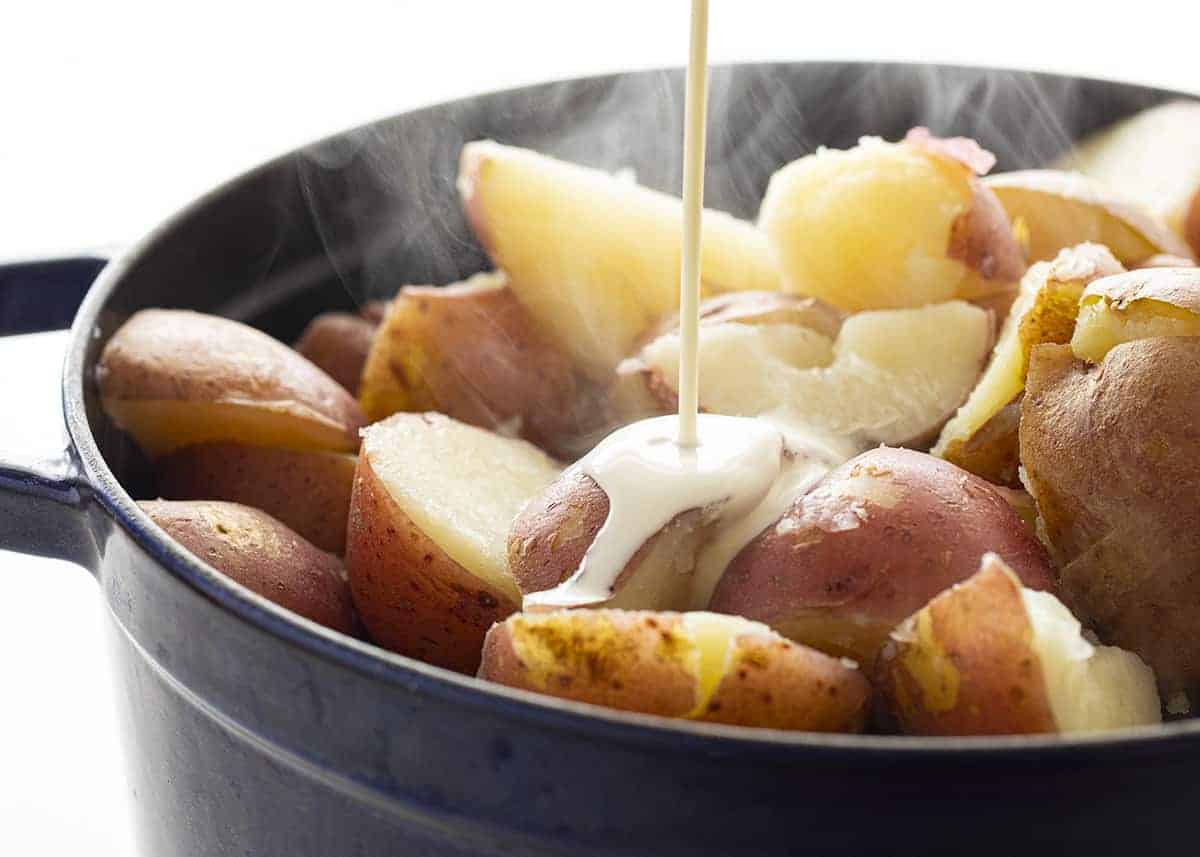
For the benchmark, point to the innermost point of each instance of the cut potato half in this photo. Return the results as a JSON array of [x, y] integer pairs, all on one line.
[[1139, 305], [892, 376], [982, 436], [699, 666], [426, 542], [174, 378], [1061, 209], [595, 259], [1152, 157], [890, 225], [990, 657]]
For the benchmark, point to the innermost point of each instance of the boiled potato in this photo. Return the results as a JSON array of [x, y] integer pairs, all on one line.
[[172, 378], [700, 666], [263, 555], [1153, 157], [338, 343], [307, 490], [869, 545], [471, 351], [891, 225], [425, 545], [890, 376], [1060, 209], [593, 258], [982, 436], [991, 657], [1139, 305], [1110, 452]]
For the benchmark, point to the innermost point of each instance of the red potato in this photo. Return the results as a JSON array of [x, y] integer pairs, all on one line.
[[306, 490], [869, 545], [425, 544], [338, 343], [990, 657], [263, 555], [699, 666], [173, 378], [471, 351]]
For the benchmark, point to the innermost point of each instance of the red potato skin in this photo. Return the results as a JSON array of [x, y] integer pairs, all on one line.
[[338, 343], [413, 598], [307, 491], [263, 555], [182, 355], [975, 674], [838, 572]]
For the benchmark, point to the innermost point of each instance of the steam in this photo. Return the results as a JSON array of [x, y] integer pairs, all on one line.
[[382, 199]]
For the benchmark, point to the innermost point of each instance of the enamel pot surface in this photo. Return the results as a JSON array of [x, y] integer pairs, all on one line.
[[249, 731]]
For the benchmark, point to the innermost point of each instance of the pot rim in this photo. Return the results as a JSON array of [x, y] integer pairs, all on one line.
[[581, 719]]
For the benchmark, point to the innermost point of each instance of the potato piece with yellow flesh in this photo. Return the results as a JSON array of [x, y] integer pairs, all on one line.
[[699, 666], [982, 436], [426, 541], [593, 258], [892, 376], [1061, 209], [471, 351], [338, 344], [1152, 157], [307, 490], [989, 657], [173, 378], [1137, 305], [890, 225]]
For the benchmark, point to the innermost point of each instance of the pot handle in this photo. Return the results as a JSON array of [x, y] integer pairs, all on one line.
[[46, 505]]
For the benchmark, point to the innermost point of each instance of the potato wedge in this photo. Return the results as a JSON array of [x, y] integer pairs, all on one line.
[[892, 376], [982, 435], [891, 225], [1139, 305], [471, 351], [1061, 209], [869, 545], [338, 343], [1110, 452], [990, 657], [173, 378], [305, 490], [699, 666], [263, 555], [1152, 157], [593, 258], [425, 545]]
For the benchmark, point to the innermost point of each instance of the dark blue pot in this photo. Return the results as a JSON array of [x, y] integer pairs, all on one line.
[[252, 732]]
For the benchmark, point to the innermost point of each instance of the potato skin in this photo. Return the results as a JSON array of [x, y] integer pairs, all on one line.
[[964, 665], [473, 352], [1110, 453], [869, 545], [646, 662], [413, 598], [263, 555], [179, 355], [306, 490], [338, 343]]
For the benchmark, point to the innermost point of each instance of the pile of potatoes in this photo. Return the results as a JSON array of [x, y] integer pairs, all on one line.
[[998, 531]]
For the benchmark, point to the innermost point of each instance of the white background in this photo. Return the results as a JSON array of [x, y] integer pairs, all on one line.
[[113, 114]]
